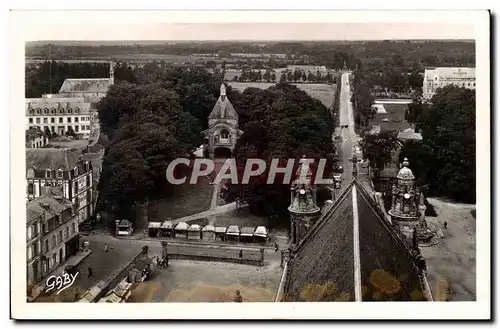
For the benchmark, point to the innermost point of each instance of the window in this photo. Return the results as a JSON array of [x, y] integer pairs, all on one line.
[[37, 120], [59, 173], [76, 119], [69, 120], [30, 252], [60, 120], [60, 236], [31, 188], [47, 173], [30, 120]]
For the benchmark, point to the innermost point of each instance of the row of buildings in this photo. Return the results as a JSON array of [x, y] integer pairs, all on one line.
[[61, 183]]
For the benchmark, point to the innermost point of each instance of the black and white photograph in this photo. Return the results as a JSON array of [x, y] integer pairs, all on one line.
[[300, 163]]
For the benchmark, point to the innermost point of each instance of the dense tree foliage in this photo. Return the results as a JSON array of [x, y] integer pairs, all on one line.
[[377, 148], [283, 123], [446, 158], [151, 124]]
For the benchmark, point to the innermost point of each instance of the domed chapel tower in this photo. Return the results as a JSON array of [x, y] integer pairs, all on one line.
[[222, 132], [407, 209], [303, 208]]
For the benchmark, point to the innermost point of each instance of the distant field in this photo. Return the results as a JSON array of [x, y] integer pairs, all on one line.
[[322, 92]]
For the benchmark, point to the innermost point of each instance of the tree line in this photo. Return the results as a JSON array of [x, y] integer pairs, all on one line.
[[444, 162]]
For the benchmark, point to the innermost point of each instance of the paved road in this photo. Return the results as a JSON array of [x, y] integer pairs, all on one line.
[[349, 137]]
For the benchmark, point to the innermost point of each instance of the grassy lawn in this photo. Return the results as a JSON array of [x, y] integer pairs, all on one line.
[[323, 92], [241, 217], [188, 200]]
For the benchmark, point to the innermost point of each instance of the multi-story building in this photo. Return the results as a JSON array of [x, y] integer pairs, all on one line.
[[59, 115], [35, 138], [52, 233], [443, 76], [92, 90], [61, 168]]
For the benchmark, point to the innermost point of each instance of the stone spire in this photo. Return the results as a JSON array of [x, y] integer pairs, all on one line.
[[223, 92], [111, 73]]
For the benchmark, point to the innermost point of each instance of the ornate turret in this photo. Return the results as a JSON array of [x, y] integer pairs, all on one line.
[[405, 212], [303, 209]]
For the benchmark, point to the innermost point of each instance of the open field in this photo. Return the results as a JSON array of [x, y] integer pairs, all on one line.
[[452, 263], [322, 92]]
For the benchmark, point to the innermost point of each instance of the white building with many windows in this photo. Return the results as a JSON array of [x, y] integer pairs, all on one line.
[[59, 115], [444, 76]]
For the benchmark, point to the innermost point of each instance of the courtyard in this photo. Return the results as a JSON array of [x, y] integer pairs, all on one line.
[[197, 281], [451, 264]]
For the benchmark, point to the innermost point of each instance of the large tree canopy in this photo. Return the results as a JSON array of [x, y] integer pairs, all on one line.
[[151, 124], [285, 123], [449, 143]]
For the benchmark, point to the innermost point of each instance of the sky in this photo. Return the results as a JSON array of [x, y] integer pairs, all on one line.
[[268, 25]]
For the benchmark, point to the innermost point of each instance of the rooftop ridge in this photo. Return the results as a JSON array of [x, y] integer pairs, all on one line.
[[384, 222], [323, 218]]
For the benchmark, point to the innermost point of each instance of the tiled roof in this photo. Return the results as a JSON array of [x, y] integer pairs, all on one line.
[[96, 85], [48, 158], [53, 206], [324, 266]]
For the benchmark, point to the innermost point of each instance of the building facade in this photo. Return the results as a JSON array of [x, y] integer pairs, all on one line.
[[52, 233], [222, 132], [59, 116], [61, 168], [35, 138], [444, 76]]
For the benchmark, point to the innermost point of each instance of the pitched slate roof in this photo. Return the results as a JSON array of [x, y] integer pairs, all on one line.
[[352, 254], [223, 108], [52, 159], [47, 206], [88, 85]]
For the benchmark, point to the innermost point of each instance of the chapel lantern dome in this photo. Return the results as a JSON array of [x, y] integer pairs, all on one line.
[[405, 173]]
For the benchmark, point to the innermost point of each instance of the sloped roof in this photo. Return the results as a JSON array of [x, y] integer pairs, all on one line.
[[223, 108], [96, 85], [49, 158], [352, 254], [47, 205]]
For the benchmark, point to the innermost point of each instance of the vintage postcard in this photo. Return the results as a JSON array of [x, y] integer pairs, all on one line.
[[250, 164]]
